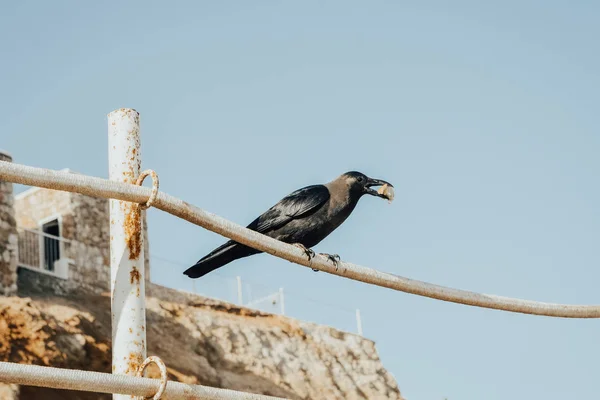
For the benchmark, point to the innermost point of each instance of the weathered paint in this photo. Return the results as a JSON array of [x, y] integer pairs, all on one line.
[[126, 248]]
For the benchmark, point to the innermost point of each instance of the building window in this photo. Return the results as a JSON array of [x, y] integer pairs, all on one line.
[[51, 244]]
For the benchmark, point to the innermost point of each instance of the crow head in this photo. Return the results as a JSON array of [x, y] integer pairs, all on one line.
[[360, 184]]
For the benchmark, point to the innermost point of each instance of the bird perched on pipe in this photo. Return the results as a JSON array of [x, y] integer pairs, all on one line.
[[303, 218]]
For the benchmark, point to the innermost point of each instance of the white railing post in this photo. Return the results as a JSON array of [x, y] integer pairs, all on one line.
[[41, 253], [359, 322], [126, 248], [281, 301], [239, 290]]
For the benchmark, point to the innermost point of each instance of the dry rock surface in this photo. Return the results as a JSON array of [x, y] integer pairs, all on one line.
[[202, 341]]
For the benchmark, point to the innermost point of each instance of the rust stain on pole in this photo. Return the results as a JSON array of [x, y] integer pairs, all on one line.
[[133, 230], [134, 275], [133, 363]]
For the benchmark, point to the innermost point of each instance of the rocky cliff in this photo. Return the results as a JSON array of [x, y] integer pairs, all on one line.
[[202, 341]]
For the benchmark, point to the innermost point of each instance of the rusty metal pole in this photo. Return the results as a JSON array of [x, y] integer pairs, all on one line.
[[126, 248]]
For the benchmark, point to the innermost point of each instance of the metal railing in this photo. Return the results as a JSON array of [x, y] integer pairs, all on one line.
[[127, 280], [98, 187], [101, 382], [43, 252]]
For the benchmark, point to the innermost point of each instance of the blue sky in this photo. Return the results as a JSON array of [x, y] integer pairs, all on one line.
[[484, 116]]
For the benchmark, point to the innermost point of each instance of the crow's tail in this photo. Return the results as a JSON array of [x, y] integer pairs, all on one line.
[[220, 256]]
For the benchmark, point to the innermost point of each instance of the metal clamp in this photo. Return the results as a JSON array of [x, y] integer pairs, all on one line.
[[154, 193], [163, 375]]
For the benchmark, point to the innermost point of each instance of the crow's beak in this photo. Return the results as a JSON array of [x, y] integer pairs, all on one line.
[[376, 182]]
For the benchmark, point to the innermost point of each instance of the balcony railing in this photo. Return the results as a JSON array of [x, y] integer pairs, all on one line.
[[42, 252]]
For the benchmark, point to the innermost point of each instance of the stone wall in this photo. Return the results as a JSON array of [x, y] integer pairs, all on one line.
[[85, 223], [88, 267], [37, 204], [90, 249], [8, 236]]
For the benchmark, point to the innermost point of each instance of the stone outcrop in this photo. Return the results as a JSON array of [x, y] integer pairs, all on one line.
[[202, 341]]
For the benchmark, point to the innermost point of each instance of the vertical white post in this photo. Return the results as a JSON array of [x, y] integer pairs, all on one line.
[[239, 287], [358, 322], [281, 301], [41, 255], [126, 248]]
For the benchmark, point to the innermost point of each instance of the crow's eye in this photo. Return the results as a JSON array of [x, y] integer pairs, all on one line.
[[360, 179]]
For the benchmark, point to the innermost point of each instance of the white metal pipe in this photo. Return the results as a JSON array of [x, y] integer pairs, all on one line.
[[239, 290], [358, 322], [126, 248], [41, 252], [101, 382], [98, 187]]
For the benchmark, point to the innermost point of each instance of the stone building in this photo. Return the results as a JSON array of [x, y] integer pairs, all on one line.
[[60, 234]]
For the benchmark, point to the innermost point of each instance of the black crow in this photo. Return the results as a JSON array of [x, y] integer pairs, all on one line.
[[303, 218]]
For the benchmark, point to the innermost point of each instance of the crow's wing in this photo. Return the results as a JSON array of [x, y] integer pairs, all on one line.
[[297, 204]]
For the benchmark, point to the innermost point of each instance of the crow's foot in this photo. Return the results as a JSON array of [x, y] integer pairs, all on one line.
[[334, 258], [309, 252]]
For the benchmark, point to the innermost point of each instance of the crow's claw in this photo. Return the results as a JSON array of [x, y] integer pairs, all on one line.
[[309, 252], [334, 258]]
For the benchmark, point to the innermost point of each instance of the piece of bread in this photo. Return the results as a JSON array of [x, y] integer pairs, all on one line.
[[387, 191]]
